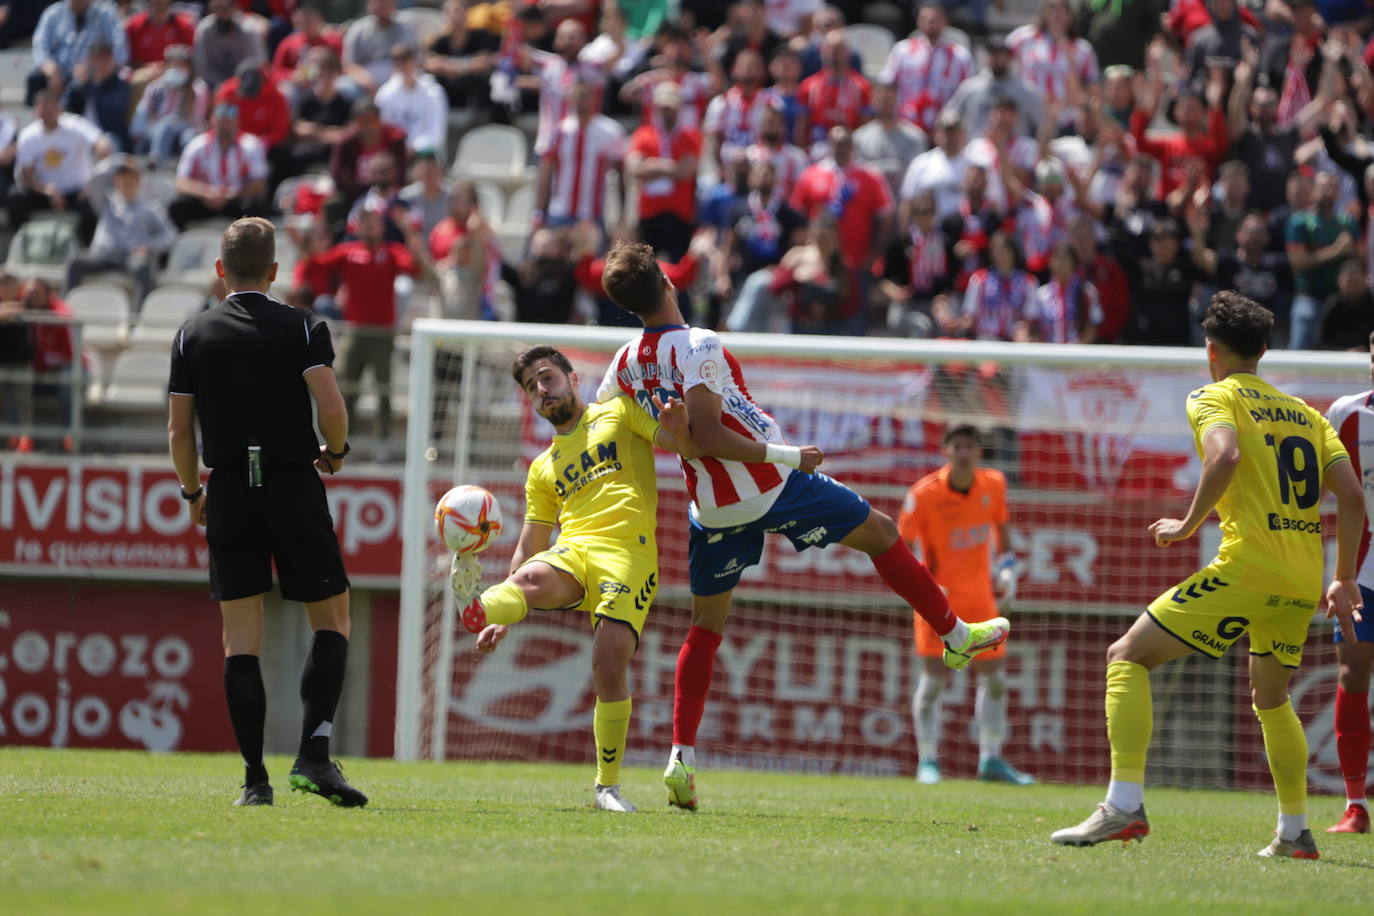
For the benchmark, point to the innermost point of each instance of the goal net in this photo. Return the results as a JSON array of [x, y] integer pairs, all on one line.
[[816, 671]]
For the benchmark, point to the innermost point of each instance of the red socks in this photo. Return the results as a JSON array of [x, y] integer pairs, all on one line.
[[909, 578], [1352, 740], [695, 662]]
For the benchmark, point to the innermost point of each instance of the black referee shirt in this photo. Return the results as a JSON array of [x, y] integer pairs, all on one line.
[[244, 362]]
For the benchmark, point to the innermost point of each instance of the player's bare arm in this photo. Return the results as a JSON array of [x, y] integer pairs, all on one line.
[[1342, 599], [714, 438], [1220, 457], [181, 442]]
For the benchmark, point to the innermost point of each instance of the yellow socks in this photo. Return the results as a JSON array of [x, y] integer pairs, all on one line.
[[610, 725], [1285, 743], [504, 603], [1129, 720]]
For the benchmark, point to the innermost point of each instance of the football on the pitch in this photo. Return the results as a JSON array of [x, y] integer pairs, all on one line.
[[467, 519]]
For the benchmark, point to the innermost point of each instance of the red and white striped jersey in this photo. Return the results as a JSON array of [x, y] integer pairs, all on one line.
[[230, 169], [581, 156], [556, 78], [926, 76], [845, 101], [670, 361], [788, 163], [1353, 419], [695, 88], [737, 117], [1044, 64], [1024, 153]]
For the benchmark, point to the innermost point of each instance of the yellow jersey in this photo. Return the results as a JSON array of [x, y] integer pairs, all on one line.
[[598, 480], [1270, 514]]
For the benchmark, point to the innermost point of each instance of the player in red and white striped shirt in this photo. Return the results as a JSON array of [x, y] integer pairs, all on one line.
[[746, 484], [836, 97], [1353, 419], [926, 68], [733, 120], [1054, 63], [572, 174], [222, 172]]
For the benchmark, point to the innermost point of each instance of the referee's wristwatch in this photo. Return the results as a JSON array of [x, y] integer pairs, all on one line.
[[192, 497], [338, 456]]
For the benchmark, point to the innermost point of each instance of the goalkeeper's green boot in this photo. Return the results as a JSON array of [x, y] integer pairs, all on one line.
[[981, 637]]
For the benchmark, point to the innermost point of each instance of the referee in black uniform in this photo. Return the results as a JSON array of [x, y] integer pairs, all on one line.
[[246, 370]]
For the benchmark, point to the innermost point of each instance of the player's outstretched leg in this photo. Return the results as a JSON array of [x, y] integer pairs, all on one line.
[[909, 578], [691, 683], [990, 708], [1352, 730], [321, 685]]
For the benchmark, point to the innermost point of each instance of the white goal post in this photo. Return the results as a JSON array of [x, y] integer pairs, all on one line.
[[1095, 443]]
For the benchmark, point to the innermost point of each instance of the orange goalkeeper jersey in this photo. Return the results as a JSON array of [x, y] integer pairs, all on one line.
[[956, 531]]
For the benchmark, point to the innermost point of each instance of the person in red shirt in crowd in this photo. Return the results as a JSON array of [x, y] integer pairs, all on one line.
[[464, 213], [349, 165], [663, 160], [858, 198], [1099, 269], [368, 269], [311, 31], [150, 33], [53, 352], [1202, 132], [836, 97], [263, 111], [314, 273]]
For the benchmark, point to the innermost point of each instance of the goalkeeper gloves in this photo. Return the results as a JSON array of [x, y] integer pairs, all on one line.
[[1004, 577]]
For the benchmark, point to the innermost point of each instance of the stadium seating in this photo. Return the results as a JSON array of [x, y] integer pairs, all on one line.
[[103, 310], [491, 202], [138, 378], [42, 246], [872, 43], [519, 208], [163, 312], [192, 257], [158, 186], [495, 152], [15, 64]]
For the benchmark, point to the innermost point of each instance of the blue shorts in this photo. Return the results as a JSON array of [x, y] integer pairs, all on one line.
[[812, 511], [1364, 629]]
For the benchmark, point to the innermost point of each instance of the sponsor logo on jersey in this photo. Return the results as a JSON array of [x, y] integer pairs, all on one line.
[[1280, 523]]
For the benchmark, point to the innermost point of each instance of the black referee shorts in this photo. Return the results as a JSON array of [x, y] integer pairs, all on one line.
[[285, 520]]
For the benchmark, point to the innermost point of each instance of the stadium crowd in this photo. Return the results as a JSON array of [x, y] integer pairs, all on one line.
[[1090, 176]]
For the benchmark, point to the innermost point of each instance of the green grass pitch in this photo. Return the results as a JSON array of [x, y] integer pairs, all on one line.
[[122, 832]]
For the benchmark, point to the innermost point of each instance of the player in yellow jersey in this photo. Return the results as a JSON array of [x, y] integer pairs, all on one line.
[[596, 484], [1266, 457]]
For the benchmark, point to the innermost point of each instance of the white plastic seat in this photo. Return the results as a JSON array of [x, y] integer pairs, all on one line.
[[103, 310], [192, 258], [15, 64], [163, 312], [872, 43], [42, 247], [496, 152], [139, 377], [491, 202], [426, 22], [519, 208]]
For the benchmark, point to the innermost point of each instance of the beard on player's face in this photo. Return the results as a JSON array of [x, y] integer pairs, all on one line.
[[557, 410]]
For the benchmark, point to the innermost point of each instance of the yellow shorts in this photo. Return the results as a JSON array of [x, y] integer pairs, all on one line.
[[617, 584], [1209, 613]]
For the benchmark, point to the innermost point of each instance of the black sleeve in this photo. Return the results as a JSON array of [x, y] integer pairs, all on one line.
[[181, 380], [319, 346], [896, 265]]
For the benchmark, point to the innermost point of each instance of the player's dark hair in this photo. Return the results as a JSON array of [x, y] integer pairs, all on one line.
[[248, 248], [964, 429], [532, 355], [1239, 324], [633, 279]]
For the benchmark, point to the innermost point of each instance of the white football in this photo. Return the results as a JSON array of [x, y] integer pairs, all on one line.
[[467, 519]]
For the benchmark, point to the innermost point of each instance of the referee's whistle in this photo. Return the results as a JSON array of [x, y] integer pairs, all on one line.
[[254, 463]]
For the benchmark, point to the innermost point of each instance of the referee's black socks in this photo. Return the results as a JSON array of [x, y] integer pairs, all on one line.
[[321, 684], [248, 711]]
